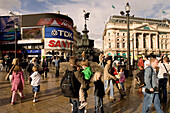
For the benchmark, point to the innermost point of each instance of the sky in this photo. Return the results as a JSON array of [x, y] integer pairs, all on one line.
[[100, 11]]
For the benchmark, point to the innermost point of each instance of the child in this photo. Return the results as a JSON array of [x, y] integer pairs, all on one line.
[[17, 84], [36, 77], [98, 92], [87, 76], [122, 78]]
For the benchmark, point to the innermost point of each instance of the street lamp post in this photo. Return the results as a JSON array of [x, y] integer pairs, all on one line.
[[133, 53], [16, 27], [127, 8]]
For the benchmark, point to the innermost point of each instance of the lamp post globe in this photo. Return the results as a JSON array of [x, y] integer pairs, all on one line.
[[127, 7]]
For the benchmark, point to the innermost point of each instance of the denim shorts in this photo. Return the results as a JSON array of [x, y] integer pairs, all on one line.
[[36, 88]]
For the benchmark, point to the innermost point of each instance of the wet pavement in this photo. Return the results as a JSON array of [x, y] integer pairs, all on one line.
[[51, 100]]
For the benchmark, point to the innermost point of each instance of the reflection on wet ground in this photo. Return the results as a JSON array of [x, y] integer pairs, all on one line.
[[50, 99]]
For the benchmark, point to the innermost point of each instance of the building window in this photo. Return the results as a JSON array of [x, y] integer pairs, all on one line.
[[109, 45], [117, 45], [166, 46], [123, 34], [137, 43], [123, 39], [117, 39], [117, 34], [109, 39], [123, 45]]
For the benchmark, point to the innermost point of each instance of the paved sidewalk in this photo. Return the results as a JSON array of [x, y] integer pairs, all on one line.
[[51, 99]]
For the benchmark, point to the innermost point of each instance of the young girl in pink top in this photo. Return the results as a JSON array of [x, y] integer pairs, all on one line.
[[122, 79], [17, 84]]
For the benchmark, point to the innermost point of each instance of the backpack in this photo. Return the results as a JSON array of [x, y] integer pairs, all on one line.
[[70, 85], [140, 77]]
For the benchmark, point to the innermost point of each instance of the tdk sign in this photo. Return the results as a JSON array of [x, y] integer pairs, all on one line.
[[53, 32]]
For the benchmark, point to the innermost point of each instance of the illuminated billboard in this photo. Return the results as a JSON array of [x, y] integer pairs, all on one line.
[[32, 33], [7, 30], [54, 43], [49, 19], [61, 33]]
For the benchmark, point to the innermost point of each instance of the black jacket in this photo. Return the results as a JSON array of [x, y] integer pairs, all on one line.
[[99, 89]]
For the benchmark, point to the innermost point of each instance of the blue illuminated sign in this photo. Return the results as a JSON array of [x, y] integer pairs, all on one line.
[[61, 33], [33, 51]]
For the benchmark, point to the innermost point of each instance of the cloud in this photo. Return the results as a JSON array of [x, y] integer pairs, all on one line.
[[9, 5]]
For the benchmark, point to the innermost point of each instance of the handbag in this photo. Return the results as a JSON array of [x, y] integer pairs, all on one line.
[[166, 75]]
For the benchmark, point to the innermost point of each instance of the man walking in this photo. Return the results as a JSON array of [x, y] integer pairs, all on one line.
[[57, 65], [151, 87], [164, 68]]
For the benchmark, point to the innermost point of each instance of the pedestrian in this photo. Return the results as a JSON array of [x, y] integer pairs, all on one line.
[[98, 92], [24, 65], [30, 66], [108, 78], [73, 61], [36, 78], [163, 76], [45, 67], [122, 79], [146, 63], [101, 60], [17, 84], [140, 62], [87, 74], [151, 88], [57, 65]]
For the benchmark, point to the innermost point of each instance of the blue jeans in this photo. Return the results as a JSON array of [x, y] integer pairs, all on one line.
[[108, 83], [148, 99], [163, 88], [75, 104], [98, 105], [122, 85]]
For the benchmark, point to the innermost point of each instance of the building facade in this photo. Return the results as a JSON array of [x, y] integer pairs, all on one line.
[[147, 36]]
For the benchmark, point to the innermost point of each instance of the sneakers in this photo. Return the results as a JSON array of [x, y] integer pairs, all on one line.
[[112, 98], [12, 103], [35, 100], [84, 104]]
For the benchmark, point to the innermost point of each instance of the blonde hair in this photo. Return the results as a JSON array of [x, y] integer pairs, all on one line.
[[34, 68], [95, 77]]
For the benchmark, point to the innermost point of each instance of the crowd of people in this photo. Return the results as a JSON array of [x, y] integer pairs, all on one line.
[[153, 77]]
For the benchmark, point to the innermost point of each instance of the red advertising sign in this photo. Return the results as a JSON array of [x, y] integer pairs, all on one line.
[[54, 43], [55, 22]]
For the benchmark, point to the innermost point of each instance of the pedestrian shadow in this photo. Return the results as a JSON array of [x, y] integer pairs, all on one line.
[[45, 93]]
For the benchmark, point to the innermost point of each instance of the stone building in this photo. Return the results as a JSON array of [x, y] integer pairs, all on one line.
[[149, 36]]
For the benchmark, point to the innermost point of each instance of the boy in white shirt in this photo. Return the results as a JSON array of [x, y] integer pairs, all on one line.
[[36, 77]]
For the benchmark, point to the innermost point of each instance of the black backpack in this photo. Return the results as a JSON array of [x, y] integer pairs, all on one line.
[[70, 85], [140, 77]]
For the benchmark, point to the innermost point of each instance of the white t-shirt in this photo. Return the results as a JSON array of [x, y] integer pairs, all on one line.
[[146, 63], [36, 77], [162, 70]]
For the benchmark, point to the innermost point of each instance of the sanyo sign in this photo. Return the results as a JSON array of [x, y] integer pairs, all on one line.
[[53, 32]]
